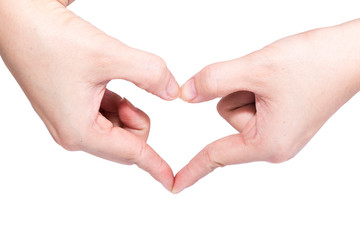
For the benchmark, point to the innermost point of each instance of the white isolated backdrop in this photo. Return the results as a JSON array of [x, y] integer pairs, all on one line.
[[48, 193]]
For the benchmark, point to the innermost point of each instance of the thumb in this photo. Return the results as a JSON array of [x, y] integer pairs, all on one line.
[[230, 150], [119, 145], [221, 79], [144, 69]]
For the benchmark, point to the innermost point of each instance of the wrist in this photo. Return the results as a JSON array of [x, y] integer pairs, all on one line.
[[350, 44], [27, 20]]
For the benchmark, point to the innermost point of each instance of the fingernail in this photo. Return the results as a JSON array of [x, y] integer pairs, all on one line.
[[173, 88], [175, 191], [175, 188], [188, 92]]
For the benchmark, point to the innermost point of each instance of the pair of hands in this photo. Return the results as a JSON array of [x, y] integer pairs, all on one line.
[[277, 97]]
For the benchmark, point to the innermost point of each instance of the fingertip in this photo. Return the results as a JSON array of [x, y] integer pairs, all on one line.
[[158, 168], [179, 185], [188, 91], [173, 89], [176, 190], [145, 70], [168, 179]]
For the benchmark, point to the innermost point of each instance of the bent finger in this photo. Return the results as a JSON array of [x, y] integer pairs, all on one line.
[[237, 109], [134, 120], [122, 113], [240, 117], [234, 101]]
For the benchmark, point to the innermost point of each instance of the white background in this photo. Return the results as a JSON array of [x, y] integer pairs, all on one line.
[[48, 193]]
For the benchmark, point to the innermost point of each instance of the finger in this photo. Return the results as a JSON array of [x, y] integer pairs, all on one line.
[[124, 114], [229, 150], [134, 120], [119, 145], [145, 70], [237, 109], [240, 118], [235, 100], [224, 78], [109, 107], [66, 2]]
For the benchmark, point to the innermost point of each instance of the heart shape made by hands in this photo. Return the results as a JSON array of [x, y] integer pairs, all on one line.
[[271, 97]]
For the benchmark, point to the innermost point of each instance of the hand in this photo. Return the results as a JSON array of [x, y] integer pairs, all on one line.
[[277, 98], [63, 64]]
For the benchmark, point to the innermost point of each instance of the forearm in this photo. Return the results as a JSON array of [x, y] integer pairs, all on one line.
[[334, 53], [350, 32]]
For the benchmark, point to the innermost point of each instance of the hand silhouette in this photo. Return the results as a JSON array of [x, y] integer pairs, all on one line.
[[63, 64], [277, 98]]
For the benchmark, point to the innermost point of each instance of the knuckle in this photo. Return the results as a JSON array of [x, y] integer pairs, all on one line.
[[264, 63], [279, 154], [106, 56], [210, 160], [137, 155], [69, 140], [276, 159], [144, 122], [147, 121], [221, 108], [157, 68], [70, 143]]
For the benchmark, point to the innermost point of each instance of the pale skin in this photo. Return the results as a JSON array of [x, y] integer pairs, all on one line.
[[277, 98], [63, 64]]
